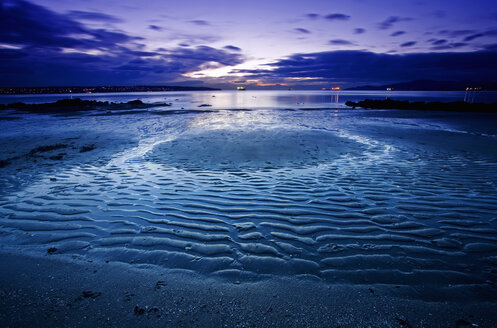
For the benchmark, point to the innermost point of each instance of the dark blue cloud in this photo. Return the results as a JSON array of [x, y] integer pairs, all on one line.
[[312, 15], [359, 30], [473, 36], [408, 44], [480, 35], [200, 22], [29, 25], [330, 17], [203, 54], [23, 23], [340, 42], [337, 16], [390, 21], [449, 46], [302, 30], [55, 49], [456, 33], [93, 16], [398, 33], [233, 48], [438, 42], [359, 67], [139, 53], [37, 67], [155, 27]]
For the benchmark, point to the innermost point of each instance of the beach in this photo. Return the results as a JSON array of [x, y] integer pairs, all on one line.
[[248, 209], [39, 291]]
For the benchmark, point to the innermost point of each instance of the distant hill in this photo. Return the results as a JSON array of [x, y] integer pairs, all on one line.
[[428, 85], [99, 89]]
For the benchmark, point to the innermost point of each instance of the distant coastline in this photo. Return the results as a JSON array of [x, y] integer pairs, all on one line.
[[455, 106], [77, 104], [96, 89], [429, 85]]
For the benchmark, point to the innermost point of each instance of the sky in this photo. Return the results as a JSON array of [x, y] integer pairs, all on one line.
[[257, 43]]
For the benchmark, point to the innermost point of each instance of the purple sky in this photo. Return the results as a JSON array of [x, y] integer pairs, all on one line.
[[225, 43]]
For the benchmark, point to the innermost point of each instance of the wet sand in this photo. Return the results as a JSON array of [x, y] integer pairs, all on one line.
[[248, 218], [53, 292]]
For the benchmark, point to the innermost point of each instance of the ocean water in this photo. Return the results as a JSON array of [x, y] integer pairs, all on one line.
[[254, 99], [260, 184]]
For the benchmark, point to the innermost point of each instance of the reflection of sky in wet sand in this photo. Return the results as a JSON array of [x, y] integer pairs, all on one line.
[[267, 119], [241, 99], [267, 99], [236, 119]]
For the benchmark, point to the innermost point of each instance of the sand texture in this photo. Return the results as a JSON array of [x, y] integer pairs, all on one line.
[[250, 218]]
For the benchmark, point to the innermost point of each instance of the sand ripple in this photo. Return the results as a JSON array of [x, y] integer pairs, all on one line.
[[365, 215]]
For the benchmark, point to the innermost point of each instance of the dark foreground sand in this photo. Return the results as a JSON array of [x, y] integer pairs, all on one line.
[[53, 292]]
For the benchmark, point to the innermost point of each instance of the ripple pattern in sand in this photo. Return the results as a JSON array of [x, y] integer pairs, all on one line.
[[407, 219]]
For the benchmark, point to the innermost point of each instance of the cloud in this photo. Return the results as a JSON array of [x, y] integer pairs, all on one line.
[[466, 35], [456, 33], [140, 53], [449, 46], [193, 39], [233, 48], [358, 67], [408, 44], [38, 67], [302, 30], [337, 16], [22, 24], [390, 21], [398, 33], [203, 54], [480, 35], [312, 16], [93, 16], [359, 30], [439, 42], [55, 49], [26, 24], [200, 22], [340, 42], [155, 27], [473, 36]]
